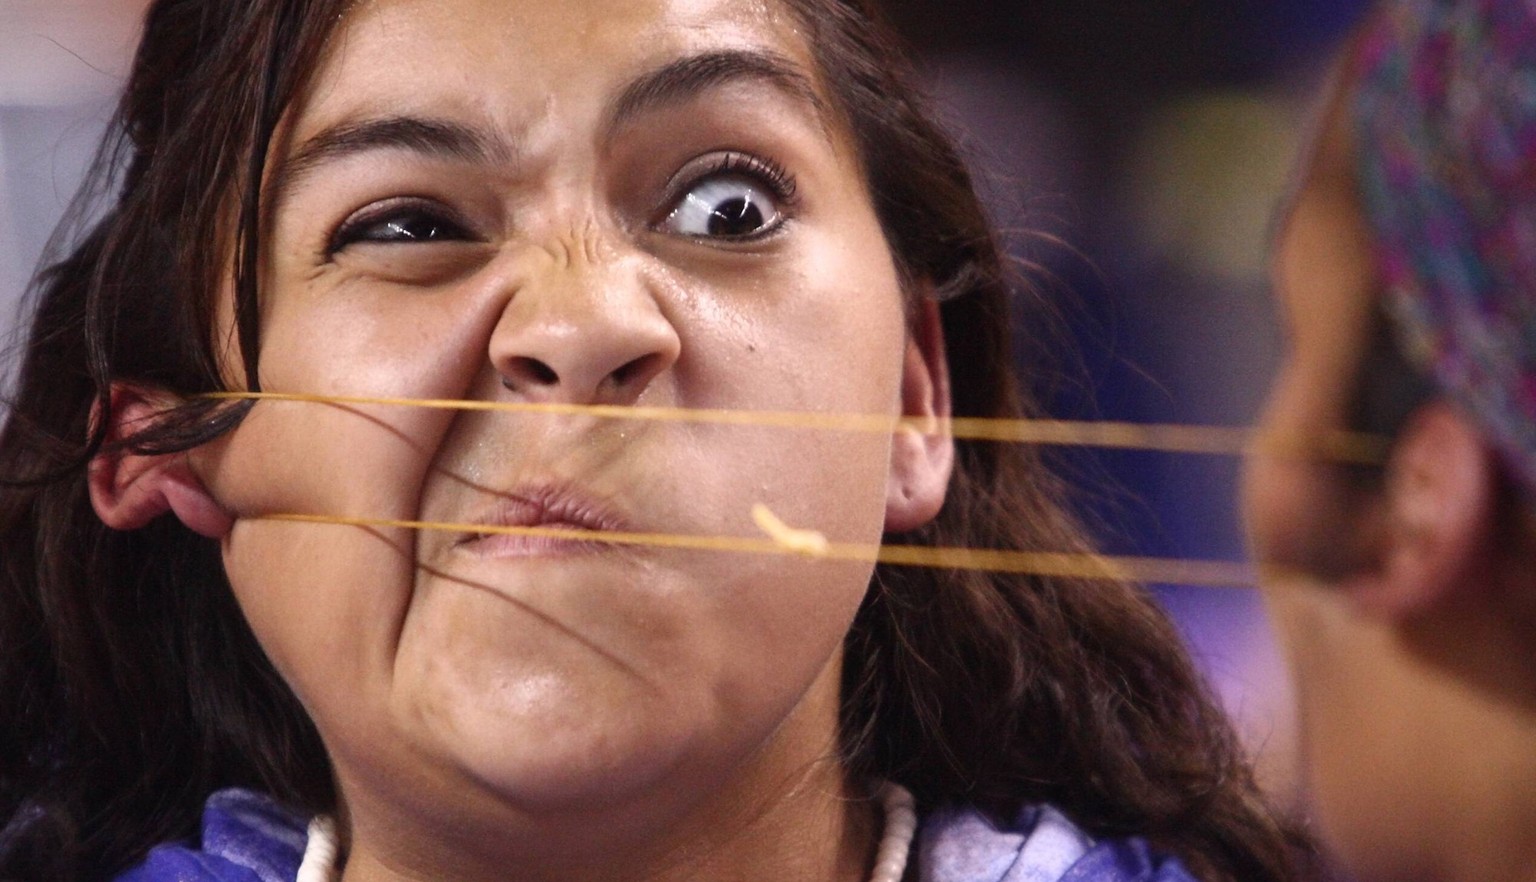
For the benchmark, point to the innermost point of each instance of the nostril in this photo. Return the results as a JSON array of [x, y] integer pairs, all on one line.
[[523, 372], [630, 370]]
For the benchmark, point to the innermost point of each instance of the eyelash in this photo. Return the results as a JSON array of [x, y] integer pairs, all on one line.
[[354, 229], [765, 170], [780, 183]]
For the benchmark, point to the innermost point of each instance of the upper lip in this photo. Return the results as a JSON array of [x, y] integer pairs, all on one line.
[[545, 505]]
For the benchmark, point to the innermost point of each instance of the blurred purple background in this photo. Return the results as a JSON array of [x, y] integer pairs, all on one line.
[[1134, 149], [1138, 150]]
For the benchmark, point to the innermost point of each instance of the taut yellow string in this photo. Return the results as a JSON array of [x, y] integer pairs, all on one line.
[[1341, 447], [1212, 574], [1345, 447]]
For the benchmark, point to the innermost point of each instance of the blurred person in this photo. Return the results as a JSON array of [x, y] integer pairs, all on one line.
[[1406, 594]]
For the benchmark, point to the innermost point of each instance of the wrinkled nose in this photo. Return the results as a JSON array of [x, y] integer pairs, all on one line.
[[583, 329]]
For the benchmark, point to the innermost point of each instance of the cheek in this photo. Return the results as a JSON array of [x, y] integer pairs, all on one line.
[[1301, 511], [825, 338], [326, 600], [330, 457]]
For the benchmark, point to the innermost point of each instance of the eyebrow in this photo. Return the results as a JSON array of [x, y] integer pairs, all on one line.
[[684, 79], [431, 137], [671, 84]]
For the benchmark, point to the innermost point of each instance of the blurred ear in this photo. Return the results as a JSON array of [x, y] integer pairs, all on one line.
[[1437, 539], [128, 490], [921, 463]]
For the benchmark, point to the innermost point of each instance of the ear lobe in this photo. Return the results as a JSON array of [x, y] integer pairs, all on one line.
[[921, 462], [1440, 506], [128, 490]]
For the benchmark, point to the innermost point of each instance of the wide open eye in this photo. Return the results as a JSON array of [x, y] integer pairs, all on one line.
[[400, 224], [733, 197], [725, 207]]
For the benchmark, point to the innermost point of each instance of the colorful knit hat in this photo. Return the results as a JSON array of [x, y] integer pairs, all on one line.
[[1445, 113]]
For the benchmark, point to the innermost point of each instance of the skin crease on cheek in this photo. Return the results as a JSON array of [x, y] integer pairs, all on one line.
[[484, 702]]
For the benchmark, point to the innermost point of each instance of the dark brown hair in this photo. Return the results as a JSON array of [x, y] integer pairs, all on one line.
[[131, 687]]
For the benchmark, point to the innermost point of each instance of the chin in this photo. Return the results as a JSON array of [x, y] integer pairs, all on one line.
[[564, 738], [561, 765]]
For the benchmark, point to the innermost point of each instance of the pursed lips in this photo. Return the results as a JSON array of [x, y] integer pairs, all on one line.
[[544, 507]]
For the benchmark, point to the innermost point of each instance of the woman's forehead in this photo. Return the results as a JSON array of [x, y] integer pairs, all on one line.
[[523, 60], [527, 87]]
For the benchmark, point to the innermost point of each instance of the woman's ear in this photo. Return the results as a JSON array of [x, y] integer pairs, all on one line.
[[1437, 535], [128, 490], [921, 462]]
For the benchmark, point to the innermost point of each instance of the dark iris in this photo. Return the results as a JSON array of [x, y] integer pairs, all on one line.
[[414, 228], [391, 224], [735, 217]]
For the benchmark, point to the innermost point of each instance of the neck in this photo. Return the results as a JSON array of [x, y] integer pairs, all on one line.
[[817, 827]]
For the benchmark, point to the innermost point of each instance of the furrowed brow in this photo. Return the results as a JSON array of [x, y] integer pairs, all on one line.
[[430, 137], [686, 78]]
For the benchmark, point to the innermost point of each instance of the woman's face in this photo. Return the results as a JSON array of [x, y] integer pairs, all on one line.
[[609, 202]]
